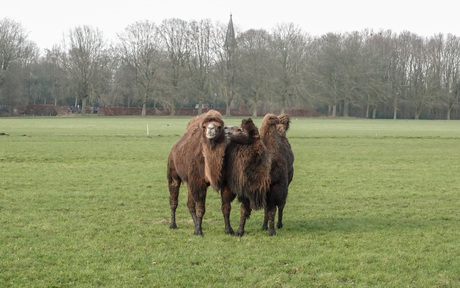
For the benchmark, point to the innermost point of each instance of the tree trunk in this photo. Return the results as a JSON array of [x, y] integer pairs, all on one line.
[[83, 106], [345, 108], [227, 109], [395, 109], [144, 109], [200, 107], [254, 111], [334, 110], [374, 112], [144, 104]]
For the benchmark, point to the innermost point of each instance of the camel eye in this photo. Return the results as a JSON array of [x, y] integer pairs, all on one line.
[[219, 128], [204, 127]]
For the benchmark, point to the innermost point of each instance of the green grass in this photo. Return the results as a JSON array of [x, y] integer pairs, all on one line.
[[84, 203]]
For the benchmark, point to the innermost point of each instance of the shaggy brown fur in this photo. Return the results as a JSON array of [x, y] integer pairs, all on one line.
[[286, 152], [197, 158], [246, 173], [273, 133], [282, 128]]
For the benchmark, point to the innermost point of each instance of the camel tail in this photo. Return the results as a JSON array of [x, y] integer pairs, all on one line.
[[258, 199]]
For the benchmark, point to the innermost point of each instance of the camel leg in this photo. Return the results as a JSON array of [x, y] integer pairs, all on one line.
[[174, 186], [196, 205], [245, 211], [280, 216], [227, 198], [191, 207], [200, 210], [265, 225], [281, 201], [271, 220]]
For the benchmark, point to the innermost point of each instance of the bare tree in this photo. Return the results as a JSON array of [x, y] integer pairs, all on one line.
[[16, 53], [290, 49], [201, 60], [422, 80], [139, 48], [85, 60], [326, 76], [399, 71], [124, 87], [175, 38], [451, 74], [374, 77], [255, 63], [52, 76]]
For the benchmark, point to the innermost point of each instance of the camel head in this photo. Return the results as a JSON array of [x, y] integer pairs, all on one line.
[[235, 134], [283, 126], [269, 124], [213, 128], [246, 133], [232, 130], [284, 120]]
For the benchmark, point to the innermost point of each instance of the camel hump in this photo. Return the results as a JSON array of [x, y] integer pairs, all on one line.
[[250, 128], [271, 119]]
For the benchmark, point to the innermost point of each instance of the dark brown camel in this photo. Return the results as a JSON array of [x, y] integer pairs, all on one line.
[[246, 173], [281, 159], [197, 159], [285, 151]]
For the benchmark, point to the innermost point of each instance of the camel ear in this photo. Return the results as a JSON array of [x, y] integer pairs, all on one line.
[[285, 120]]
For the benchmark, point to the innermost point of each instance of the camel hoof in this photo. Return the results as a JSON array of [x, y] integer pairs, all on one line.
[[173, 226], [271, 233], [280, 225], [229, 231], [264, 227], [239, 233]]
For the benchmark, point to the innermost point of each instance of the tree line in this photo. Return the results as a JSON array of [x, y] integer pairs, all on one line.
[[177, 64]]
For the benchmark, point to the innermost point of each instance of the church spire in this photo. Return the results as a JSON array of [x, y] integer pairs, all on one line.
[[230, 41]]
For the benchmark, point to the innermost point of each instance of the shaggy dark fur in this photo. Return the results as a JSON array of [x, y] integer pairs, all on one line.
[[286, 152], [197, 158], [273, 133], [246, 173]]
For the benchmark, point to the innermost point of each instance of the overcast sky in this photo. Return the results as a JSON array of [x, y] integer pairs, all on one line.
[[47, 21]]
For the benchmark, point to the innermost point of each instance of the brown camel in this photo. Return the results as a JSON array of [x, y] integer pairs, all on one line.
[[197, 158], [281, 164], [246, 173], [285, 151]]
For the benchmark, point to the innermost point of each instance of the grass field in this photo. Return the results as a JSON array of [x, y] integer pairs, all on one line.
[[84, 203]]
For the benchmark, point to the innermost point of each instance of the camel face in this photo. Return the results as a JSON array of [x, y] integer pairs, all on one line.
[[232, 130], [212, 129]]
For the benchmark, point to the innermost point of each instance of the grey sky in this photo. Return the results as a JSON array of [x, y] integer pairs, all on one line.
[[48, 20]]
